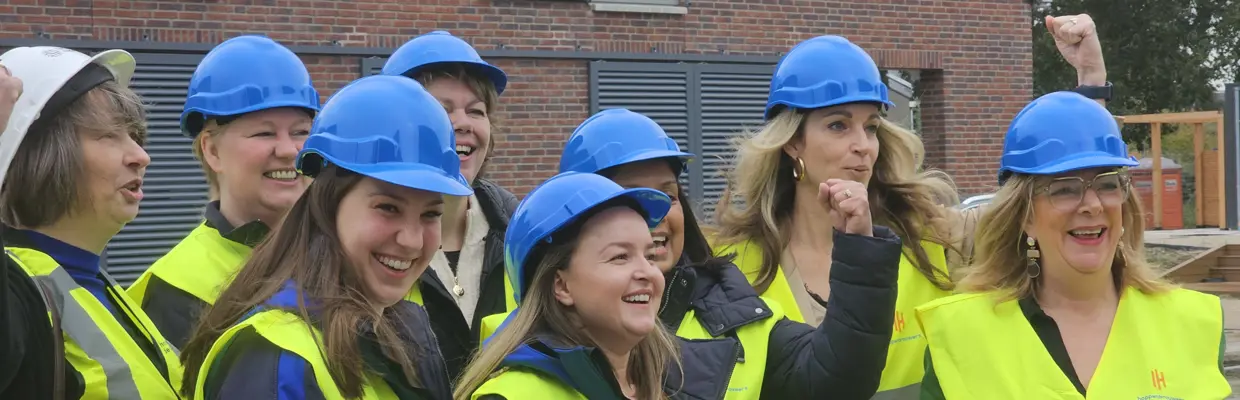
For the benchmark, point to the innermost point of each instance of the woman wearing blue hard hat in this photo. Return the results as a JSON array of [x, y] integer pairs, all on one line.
[[580, 257], [824, 122], [783, 358], [248, 111], [318, 311], [73, 164], [1059, 301], [467, 279]]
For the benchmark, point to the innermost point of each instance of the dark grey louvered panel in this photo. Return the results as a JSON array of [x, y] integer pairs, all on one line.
[[174, 187], [733, 100], [658, 91], [372, 66]]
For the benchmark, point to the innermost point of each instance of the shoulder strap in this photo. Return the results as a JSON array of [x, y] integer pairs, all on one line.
[[58, 341]]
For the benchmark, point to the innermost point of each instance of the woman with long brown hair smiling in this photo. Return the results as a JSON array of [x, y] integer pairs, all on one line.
[[317, 312], [579, 255]]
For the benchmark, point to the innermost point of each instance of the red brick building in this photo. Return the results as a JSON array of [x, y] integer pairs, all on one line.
[[699, 67]]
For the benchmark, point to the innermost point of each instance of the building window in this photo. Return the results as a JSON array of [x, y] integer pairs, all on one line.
[[705, 107]]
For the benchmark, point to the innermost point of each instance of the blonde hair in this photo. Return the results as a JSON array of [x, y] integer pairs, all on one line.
[[211, 129], [542, 316], [902, 195], [1000, 261]]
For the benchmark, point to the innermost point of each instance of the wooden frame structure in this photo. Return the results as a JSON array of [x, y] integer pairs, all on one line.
[[1198, 119]]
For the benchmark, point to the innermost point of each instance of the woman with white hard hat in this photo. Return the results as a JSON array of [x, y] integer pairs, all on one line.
[[73, 160]]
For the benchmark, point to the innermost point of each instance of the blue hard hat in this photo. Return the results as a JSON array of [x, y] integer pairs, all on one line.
[[825, 71], [246, 74], [614, 137], [558, 202], [388, 128], [1062, 132], [437, 48]]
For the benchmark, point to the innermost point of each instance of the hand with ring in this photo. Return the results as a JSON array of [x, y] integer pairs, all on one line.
[[1076, 36], [848, 204]]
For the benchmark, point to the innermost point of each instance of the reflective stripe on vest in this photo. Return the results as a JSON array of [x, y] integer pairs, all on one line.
[[288, 331], [111, 364], [520, 383], [1161, 346], [202, 264], [745, 381], [901, 379]]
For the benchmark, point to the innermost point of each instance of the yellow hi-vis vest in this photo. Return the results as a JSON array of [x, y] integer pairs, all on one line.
[[905, 366], [1161, 346], [521, 383], [746, 379], [491, 323], [289, 332], [112, 365], [202, 264]]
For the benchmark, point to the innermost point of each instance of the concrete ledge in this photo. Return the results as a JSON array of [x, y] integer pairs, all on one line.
[[637, 8]]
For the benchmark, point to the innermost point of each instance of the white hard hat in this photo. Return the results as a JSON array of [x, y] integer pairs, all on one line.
[[44, 70]]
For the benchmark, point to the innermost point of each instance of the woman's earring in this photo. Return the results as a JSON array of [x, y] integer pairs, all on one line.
[[798, 171], [1031, 267]]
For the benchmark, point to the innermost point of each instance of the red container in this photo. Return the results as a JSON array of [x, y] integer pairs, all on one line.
[[1172, 192]]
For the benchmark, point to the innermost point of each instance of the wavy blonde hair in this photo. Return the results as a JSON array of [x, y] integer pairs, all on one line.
[[542, 316], [903, 196], [999, 263]]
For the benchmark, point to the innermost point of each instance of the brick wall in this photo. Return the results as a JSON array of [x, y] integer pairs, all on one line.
[[981, 58]]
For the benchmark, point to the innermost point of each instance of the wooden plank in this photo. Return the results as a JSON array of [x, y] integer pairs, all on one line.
[[1173, 118], [1199, 138], [1209, 188], [1195, 269], [1222, 183], [1156, 139]]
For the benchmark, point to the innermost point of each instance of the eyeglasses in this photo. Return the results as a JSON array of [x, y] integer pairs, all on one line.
[[1066, 193]]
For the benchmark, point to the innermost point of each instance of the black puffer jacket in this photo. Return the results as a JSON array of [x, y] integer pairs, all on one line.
[[458, 340], [841, 359]]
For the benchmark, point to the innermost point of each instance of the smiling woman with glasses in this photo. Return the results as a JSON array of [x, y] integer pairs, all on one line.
[[1066, 193], [1060, 301]]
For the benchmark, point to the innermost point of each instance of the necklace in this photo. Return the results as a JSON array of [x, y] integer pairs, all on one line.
[[452, 269]]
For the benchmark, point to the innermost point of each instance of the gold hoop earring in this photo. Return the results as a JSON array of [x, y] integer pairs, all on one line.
[[798, 173]]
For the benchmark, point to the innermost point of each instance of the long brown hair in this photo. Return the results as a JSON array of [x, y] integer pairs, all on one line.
[[1000, 261], [540, 315], [903, 196], [306, 251]]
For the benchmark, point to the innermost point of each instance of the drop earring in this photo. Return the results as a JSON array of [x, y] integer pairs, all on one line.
[[1032, 268]]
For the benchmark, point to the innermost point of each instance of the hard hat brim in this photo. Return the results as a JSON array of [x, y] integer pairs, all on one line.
[[413, 176], [779, 105], [1078, 162], [651, 155]]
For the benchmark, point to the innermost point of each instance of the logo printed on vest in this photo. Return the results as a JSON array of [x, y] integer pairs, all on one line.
[[899, 322], [1159, 380]]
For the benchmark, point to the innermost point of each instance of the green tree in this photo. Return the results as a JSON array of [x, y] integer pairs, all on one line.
[[1161, 55]]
